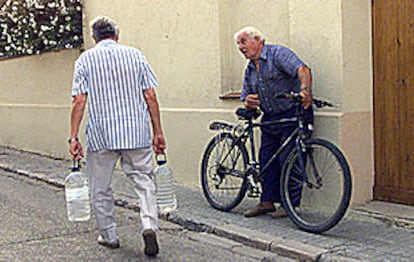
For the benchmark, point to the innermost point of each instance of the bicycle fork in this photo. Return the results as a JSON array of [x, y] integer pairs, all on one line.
[[305, 154]]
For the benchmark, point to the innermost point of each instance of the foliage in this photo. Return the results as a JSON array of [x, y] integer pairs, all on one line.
[[34, 26]]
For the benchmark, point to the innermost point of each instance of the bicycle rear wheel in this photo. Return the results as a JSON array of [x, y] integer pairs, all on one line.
[[223, 171], [319, 204]]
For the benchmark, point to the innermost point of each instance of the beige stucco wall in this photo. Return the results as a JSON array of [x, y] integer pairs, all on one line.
[[191, 48]]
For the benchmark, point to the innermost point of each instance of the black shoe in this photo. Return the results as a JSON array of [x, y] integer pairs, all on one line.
[[151, 245], [105, 243]]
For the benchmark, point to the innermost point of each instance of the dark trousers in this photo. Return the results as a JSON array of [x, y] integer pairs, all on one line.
[[270, 142], [271, 139]]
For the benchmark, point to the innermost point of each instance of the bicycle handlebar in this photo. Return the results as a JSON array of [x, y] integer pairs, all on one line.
[[297, 99]]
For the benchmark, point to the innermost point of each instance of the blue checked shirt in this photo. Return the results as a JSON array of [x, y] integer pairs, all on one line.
[[278, 73], [114, 78]]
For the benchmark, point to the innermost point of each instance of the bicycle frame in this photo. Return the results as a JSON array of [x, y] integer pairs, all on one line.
[[248, 134]]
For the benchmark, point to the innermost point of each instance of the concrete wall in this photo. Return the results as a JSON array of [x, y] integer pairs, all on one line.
[[190, 46]]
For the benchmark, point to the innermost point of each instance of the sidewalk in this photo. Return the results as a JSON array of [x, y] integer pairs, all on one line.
[[375, 232]]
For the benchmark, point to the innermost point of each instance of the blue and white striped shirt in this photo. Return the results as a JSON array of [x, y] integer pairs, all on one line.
[[114, 78]]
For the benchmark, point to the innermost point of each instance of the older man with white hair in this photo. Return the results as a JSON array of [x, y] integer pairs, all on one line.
[[272, 69], [118, 84]]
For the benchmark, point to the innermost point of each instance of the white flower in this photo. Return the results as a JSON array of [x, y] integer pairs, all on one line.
[[78, 8], [45, 42], [7, 48], [51, 4], [76, 38], [29, 51], [68, 18], [44, 28]]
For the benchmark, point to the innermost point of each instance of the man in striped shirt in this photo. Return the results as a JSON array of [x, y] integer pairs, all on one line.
[[118, 84]]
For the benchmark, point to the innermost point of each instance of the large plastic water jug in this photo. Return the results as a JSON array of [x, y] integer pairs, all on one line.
[[77, 195], [166, 199]]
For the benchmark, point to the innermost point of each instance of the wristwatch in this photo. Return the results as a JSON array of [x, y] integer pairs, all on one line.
[[72, 139], [305, 88]]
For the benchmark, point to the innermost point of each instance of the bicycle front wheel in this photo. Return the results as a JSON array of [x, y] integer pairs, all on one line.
[[318, 203], [223, 171]]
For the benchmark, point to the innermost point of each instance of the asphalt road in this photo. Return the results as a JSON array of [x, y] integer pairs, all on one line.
[[34, 227]]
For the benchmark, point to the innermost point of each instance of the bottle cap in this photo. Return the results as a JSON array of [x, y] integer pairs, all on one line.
[[76, 166], [161, 159]]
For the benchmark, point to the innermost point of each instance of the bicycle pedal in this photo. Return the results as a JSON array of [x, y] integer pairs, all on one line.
[[253, 194]]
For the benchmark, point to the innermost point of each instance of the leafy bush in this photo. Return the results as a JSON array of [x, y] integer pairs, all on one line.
[[34, 26]]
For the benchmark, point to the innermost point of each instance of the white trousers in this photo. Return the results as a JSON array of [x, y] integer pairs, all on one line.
[[137, 165]]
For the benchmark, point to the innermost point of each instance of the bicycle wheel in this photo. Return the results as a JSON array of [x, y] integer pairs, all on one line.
[[223, 171], [320, 203]]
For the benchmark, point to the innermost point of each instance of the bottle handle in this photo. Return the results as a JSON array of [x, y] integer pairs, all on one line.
[[76, 166], [161, 159]]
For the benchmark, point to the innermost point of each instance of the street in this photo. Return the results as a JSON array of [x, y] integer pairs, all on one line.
[[34, 227]]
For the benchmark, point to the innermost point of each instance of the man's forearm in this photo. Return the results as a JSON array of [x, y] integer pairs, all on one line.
[[78, 107], [305, 76], [154, 111]]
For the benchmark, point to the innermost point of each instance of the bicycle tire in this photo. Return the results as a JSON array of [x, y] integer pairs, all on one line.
[[224, 183], [319, 209]]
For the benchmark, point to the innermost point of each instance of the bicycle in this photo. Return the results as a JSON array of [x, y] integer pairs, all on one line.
[[317, 166]]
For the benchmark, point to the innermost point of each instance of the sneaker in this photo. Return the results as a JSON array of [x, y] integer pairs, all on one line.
[[105, 243], [151, 245]]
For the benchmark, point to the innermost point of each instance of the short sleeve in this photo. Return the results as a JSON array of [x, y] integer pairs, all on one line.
[[288, 61], [80, 83], [148, 78]]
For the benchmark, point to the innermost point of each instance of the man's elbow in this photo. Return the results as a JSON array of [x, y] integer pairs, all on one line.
[[304, 70], [79, 101]]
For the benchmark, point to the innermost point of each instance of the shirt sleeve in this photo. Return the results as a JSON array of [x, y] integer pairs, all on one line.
[[246, 90], [288, 61], [148, 78], [80, 79]]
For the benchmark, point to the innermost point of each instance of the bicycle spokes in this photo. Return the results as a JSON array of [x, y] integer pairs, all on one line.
[[223, 171], [318, 196]]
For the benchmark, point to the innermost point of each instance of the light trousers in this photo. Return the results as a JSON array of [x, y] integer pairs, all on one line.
[[137, 165]]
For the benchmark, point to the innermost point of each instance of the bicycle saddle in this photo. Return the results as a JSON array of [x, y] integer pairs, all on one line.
[[246, 114]]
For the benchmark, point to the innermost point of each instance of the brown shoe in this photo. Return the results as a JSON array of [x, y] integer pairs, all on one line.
[[258, 210], [151, 245], [279, 213]]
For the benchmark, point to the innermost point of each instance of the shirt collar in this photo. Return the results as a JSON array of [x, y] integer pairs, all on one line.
[[263, 56], [106, 42]]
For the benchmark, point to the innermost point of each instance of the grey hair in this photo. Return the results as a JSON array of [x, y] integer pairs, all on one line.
[[251, 31], [103, 27]]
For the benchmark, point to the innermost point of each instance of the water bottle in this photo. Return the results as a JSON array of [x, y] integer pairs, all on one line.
[[166, 199], [77, 195]]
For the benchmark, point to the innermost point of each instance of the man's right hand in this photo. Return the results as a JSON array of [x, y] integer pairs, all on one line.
[[252, 101], [76, 150]]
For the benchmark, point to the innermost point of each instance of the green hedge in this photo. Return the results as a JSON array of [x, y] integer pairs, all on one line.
[[35, 26]]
